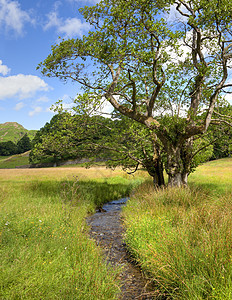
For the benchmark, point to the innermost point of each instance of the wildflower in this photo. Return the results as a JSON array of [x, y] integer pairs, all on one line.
[[7, 223], [40, 221]]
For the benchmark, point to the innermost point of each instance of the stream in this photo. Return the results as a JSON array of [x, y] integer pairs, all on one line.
[[107, 230]]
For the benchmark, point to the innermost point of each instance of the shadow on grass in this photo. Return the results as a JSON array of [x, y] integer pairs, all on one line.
[[210, 188], [74, 191]]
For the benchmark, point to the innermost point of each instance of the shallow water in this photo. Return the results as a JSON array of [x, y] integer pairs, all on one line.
[[107, 230]]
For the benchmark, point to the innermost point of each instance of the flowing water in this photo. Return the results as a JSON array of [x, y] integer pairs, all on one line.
[[107, 230]]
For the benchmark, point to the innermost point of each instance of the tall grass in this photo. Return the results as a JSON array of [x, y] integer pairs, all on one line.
[[45, 249], [183, 237]]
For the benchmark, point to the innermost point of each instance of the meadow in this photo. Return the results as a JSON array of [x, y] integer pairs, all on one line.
[[182, 237], [46, 252]]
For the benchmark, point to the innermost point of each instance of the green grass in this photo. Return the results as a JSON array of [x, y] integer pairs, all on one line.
[[182, 237], [3, 157], [11, 162], [45, 249]]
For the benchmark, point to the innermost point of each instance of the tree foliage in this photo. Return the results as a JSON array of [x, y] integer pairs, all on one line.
[[117, 142], [222, 137], [11, 148], [163, 64], [68, 136], [24, 144], [8, 148]]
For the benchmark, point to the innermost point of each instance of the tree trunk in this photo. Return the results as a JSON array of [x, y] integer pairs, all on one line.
[[158, 177], [155, 169], [178, 180], [177, 167], [185, 178], [175, 180]]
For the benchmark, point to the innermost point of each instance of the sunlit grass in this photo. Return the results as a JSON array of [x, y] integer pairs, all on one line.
[[183, 237], [45, 249], [215, 176], [59, 173]]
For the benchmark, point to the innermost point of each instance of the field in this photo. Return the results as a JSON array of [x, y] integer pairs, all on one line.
[[182, 237], [45, 249]]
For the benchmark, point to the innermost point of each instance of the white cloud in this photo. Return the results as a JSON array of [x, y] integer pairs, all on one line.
[[228, 98], [19, 106], [4, 70], [85, 1], [70, 27], [173, 15], [43, 99], [73, 27], [22, 86], [12, 17], [36, 110], [105, 108], [53, 20]]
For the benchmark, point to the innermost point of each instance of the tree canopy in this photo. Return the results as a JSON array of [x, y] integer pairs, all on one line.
[[163, 64]]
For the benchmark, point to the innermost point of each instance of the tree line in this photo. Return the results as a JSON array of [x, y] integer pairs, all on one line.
[[11, 148], [116, 141]]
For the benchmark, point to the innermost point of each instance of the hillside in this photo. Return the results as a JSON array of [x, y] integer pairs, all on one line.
[[12, 131], [14, 161]]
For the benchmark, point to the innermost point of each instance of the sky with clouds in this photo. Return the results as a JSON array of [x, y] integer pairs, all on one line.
[[28, 29]]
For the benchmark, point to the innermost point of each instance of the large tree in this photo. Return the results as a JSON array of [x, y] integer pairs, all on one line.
[[164, 64]]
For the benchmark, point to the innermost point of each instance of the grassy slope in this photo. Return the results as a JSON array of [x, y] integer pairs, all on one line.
[[183, 237], [45, 250], [12, 131], [10, 162]]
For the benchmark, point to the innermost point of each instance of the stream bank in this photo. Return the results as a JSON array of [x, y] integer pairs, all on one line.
[[107, 231]]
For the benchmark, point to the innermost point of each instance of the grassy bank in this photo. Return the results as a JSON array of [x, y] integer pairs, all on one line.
[[45, 250], [11, 162], [183, 237]]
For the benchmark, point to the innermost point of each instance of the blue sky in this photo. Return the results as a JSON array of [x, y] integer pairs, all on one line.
[[27, 31]]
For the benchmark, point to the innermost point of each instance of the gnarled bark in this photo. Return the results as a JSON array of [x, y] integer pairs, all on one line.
[[155, 169], [178, 165]]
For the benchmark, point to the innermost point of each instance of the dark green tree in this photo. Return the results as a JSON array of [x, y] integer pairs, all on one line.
[[24, 144], [66, 137], [164, 70], [222, 136], [8, 148]]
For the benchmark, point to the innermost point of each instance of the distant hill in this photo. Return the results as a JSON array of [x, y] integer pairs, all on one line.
[[12, 131]]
